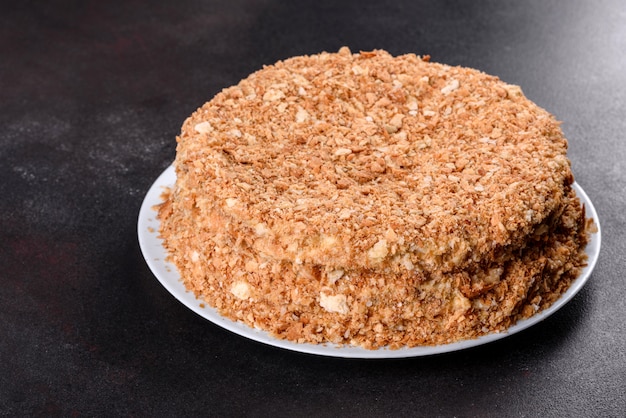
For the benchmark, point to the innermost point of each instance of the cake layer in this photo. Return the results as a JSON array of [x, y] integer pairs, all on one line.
[[371, 160]]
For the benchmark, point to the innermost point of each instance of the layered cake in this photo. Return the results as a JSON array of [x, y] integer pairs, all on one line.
[[376, 201]]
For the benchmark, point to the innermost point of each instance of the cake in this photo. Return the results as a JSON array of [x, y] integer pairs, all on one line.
[[376, 201]]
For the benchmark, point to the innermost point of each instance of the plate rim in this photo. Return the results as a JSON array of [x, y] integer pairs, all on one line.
[[154, 254]]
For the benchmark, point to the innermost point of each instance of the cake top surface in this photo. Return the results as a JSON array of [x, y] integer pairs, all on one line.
[[371, 160]]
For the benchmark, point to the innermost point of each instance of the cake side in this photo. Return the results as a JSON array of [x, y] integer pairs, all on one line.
[[367, 307]]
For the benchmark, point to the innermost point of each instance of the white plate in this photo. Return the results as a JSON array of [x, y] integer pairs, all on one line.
[[166, 273]]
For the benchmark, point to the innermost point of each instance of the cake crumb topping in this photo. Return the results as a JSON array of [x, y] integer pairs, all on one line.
[[374, 200]]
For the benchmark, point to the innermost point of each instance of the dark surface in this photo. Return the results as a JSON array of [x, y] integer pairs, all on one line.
[[92, 95]]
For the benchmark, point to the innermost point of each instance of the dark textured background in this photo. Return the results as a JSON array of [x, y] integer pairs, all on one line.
[[92, 95]]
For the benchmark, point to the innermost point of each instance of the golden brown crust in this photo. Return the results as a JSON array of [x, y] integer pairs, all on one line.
[[373, 200], [357, 159]]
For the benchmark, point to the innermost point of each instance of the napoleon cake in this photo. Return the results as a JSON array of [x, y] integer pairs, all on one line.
[[374, 201]]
